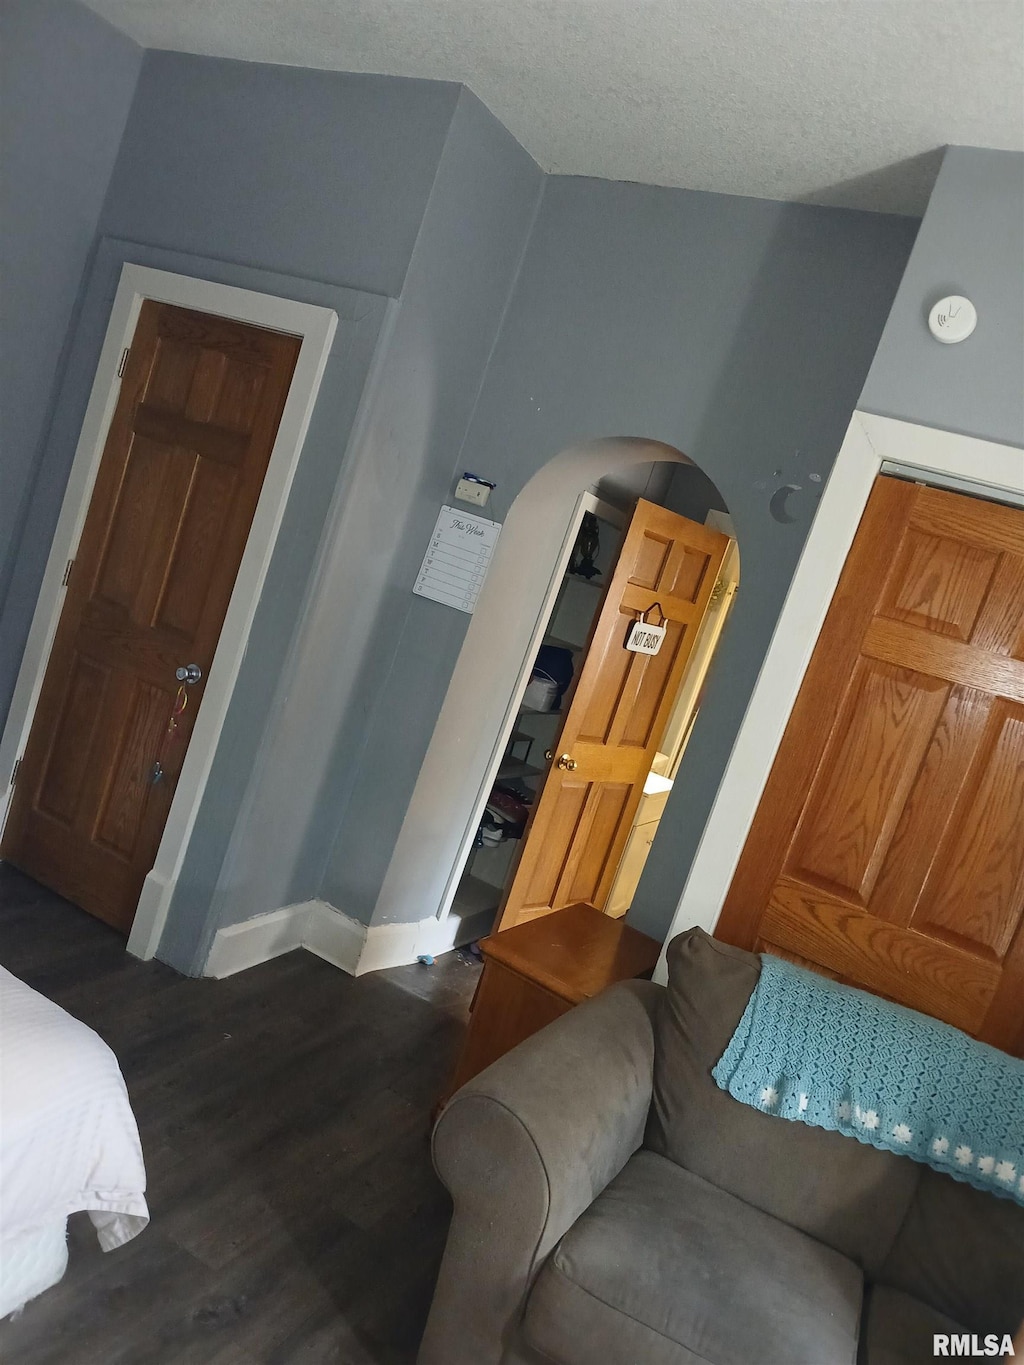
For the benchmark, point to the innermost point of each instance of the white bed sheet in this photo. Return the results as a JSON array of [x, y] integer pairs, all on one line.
[[68, 1137], [31, 1263]]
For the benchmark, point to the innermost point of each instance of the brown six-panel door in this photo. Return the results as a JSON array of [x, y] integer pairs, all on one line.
[[616, 716], [181, 473], [888, 847]]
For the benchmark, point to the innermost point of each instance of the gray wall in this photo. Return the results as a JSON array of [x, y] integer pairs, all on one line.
[[66, 84], [309, 174], [703, 321], [971, 242], [321, 174], [692, 494], [280, 180], [321, 752]]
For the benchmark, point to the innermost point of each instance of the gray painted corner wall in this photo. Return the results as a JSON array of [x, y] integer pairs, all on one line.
[[67, 79], [318, 174], [971, 242], [275, 179], [337, 746], [702, 321], [692, 494]]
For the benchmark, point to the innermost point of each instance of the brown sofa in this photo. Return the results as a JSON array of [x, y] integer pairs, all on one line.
[[614, 1207]]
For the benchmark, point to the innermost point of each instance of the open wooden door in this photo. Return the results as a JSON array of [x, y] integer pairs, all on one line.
[[888, 847], [616, 716]]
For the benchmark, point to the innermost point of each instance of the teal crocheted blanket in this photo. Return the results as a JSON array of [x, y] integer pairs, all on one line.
[[820, 1053]]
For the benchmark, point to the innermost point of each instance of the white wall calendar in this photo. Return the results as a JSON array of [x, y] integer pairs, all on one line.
[[457, 559]]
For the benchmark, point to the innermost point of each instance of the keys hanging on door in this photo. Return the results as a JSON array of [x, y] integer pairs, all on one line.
[[180, 702], [157, 773]]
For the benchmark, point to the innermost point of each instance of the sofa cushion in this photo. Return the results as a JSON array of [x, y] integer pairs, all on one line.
[[666, 1269], [961, 1250], [845, 1194], [898, 1329]]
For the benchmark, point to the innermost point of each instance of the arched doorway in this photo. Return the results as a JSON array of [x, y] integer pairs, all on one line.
[[481, 712]]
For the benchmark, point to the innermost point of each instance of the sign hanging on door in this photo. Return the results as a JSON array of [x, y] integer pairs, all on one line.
[[644, 639]]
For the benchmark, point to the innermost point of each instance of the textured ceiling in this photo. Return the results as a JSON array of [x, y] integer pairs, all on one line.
[[831, 101]]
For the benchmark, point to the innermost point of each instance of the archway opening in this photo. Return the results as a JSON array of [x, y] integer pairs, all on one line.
[[473, 811]]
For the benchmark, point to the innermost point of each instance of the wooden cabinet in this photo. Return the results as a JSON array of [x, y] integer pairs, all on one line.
[[539, 970]]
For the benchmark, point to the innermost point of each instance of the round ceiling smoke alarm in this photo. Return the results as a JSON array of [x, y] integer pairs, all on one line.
[[952, 319]]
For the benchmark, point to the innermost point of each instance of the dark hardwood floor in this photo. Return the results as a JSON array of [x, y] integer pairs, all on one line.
[[284, 1113]]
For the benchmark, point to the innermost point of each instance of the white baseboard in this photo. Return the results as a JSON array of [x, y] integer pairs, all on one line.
[[337, 938], [258, 940]]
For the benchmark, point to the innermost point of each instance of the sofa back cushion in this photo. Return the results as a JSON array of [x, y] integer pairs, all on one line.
[[962, 1251], [850, 1196]]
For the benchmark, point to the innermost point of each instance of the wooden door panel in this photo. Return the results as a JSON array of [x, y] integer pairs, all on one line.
[[976, 888], [638, 721], [133, 522], [858, 947], [609, 807], [930, 805], [617, 713], [68, 757], [939, 584], [650, 558], [190, 566], [178, 483], [129, 768], [172, 431], [542, 868], [888, 845], [1001, 625], [595, 708], [974, 521], [897, 643], [868, 771]]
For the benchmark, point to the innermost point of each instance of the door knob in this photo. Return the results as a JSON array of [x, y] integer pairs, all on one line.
[[565, 761], [188, 674]]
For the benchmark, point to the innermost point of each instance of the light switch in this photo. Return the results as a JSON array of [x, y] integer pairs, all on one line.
[[473, 490]]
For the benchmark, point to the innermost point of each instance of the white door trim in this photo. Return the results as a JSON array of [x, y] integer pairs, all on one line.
[[870, 441], [316, 326], [587, 502]]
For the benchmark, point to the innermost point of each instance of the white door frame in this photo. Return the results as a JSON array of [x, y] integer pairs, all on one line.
[[871, 442], [316, 326], [588, 502]]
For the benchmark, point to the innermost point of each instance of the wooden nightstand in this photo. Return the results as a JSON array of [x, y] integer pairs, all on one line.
[[539, 970]]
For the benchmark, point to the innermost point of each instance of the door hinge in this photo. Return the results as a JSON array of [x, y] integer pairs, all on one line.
[[124, 361], [14, 771], [717, 593], [67, 573]]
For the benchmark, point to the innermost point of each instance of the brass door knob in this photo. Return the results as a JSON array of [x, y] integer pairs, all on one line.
[[565, 761]]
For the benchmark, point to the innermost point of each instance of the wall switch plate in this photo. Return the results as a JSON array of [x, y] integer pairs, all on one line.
[[469, 490]]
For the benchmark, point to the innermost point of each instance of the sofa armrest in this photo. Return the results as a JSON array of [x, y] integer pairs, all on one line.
[[524, 1148]]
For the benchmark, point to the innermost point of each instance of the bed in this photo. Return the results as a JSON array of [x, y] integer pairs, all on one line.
[[68, 1142]]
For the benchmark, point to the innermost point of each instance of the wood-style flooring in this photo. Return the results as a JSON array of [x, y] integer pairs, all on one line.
[[284, 1113]]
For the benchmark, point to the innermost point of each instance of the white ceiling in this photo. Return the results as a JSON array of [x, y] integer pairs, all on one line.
[[831, 101]]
